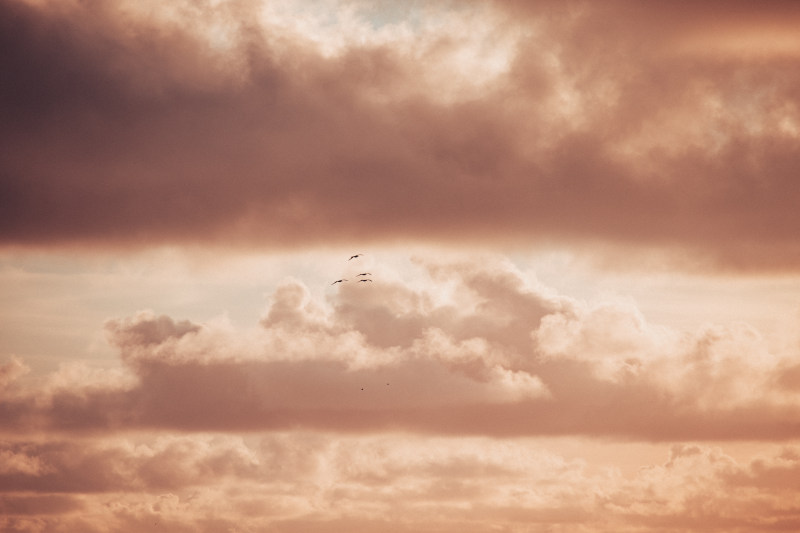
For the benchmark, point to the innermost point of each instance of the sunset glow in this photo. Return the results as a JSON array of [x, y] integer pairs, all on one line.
[[428, 266]]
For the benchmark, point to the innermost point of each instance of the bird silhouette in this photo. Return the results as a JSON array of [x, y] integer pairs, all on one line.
[[354, 256], [362, 280], [338, 281], [365, 274]]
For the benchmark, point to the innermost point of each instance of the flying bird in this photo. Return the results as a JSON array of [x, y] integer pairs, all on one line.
[[338, 281], [365, 274], [362, 280], [354, 256]]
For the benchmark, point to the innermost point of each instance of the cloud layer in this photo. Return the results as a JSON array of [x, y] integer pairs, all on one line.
[[445, 404], [457, 393], [481, 350], [239, 123], [313, 482]]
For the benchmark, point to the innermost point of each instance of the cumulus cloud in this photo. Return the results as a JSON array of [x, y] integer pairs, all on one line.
[[500, 122], [613, 338], [465, 417], [482, 349], [451, 395]]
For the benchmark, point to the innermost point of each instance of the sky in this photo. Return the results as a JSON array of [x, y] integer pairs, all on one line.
[[575, 301]]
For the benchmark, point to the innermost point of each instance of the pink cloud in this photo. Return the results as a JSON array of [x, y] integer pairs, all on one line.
[[589, 123], [320, 482], [512, 358], [471, 398]]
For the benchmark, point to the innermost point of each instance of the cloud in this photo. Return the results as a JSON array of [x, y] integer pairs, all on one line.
[[10, 372], [699, 487], [283, 482], [613, 337], [37, 506], [499, 124], [94, 467], [480, 348]]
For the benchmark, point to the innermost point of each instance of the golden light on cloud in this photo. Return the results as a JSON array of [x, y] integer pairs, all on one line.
[[373, 266]]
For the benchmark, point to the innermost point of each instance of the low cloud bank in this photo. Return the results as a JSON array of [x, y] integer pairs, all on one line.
[[481, 349]]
